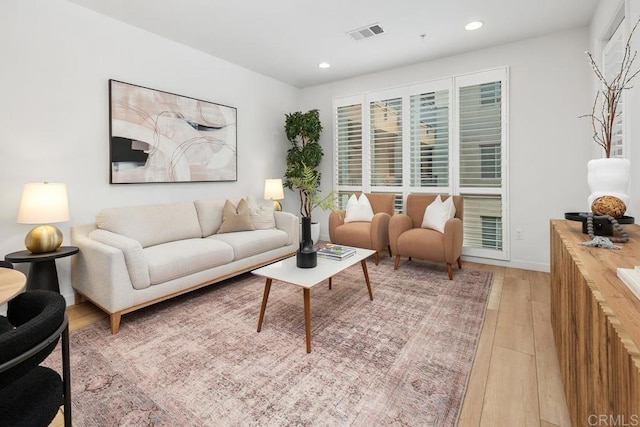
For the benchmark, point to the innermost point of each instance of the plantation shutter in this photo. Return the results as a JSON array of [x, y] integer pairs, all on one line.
[[480, 135], [481, 154], [385, 119], [429, 139], [349, 145], [612, 55]]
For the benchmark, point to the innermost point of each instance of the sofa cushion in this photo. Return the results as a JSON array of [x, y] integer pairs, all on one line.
[[183, 257], [210, 214], [152, 224], [249, 243], [236, 218], [262, 214]]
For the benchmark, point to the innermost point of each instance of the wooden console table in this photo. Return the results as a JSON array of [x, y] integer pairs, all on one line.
[[596, 326]]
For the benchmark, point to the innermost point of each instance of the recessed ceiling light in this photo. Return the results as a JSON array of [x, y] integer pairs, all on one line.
[[324, 65], [473, 25]]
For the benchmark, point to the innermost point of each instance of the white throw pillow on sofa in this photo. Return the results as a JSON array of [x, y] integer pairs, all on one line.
[[262, 214], [358, 209], [438, 213]]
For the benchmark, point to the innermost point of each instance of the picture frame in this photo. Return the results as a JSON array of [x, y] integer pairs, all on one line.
[[157, 137]]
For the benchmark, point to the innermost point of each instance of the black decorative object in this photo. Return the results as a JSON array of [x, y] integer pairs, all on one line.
[[602, 226], [307, 255]]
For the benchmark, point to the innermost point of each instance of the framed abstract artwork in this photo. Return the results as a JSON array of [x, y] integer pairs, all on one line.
[[156, 136]]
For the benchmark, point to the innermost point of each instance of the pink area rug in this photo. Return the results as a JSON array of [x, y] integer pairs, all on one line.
[[197, 360]]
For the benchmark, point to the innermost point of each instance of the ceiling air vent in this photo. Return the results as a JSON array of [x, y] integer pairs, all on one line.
[[366, 32]]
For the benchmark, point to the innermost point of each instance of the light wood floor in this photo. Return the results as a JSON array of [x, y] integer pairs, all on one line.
[[515, 379]]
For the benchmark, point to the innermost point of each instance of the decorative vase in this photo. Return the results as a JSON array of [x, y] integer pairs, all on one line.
[[307, 255], [608, 177]]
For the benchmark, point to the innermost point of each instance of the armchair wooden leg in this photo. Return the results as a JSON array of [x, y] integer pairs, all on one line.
[[459, 263], [389, 248], [376, 257], [397, 263], [450, 271]]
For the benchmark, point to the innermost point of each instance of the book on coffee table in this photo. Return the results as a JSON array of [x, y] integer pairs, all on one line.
[[337, 252]]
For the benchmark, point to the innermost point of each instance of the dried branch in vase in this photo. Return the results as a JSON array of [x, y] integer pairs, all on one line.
[[605, 111]]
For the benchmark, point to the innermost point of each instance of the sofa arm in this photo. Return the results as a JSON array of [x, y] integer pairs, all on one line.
[[137, 265], [398, 224], [453, 237], [99, 272], [336, 219], [290, 224], [380, 230]]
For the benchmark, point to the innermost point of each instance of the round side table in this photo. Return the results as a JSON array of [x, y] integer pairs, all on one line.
[[42, 272]]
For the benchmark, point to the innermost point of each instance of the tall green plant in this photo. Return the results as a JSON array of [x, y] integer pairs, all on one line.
[[303, 132]]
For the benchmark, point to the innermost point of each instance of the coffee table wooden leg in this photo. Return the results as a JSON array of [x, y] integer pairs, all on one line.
[[366, 277], [330, 282], [265, 297], [307, 318]]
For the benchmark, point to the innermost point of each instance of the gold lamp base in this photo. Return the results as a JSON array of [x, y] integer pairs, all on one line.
[[43, 238], [277, 205]]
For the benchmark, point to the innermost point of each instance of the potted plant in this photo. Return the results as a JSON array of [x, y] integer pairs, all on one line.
[[307, 184], [303, 132], [610, 176]]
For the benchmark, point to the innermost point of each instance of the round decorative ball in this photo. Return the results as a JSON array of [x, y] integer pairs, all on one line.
[[608, 205]]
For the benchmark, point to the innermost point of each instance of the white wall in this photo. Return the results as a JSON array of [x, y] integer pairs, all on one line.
[[57, 58], [548, 144]]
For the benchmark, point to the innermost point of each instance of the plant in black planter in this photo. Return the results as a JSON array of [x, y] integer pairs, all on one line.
[[308, 183], [303, 157]]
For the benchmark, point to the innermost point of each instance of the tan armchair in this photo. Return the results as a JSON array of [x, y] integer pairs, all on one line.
[[408, 239], [369, 235]]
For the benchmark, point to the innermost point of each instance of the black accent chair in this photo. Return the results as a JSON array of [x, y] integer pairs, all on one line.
[[30, 394]]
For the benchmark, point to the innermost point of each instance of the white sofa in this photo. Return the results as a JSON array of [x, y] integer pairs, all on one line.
[[136, 256]]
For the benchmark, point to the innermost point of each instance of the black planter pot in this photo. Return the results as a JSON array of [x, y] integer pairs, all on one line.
[[307, 255]]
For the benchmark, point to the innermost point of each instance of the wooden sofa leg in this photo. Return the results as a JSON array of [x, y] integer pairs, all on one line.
[[397, 263], [376, 257], [77, 297], [115, 322], [389, 249], [450, 271], [459, 263]]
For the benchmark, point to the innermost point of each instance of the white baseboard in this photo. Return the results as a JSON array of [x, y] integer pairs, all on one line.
[[525, 265]]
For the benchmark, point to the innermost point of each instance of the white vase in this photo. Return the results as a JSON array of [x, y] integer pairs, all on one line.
[[609, 177]]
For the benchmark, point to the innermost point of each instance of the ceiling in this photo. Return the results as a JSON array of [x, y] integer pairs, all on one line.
[[286, 39]]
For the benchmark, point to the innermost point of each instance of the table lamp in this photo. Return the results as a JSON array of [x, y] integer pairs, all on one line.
[[43, 203], [273, 190]]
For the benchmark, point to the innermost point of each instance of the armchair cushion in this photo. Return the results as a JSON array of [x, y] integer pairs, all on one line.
[[358, 209], [438, 213]]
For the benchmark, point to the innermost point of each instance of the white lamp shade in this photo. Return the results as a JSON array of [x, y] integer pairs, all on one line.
[[273, 189], [43, 203]]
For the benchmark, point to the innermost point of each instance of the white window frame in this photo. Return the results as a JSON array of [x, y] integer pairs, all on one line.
[[452, 84]]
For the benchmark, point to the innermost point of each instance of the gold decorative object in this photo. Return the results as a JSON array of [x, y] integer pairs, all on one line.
[[609, 205], [43, 238]]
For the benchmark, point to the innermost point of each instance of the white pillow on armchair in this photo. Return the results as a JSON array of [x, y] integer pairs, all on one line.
[[438, 213], [358, 209]]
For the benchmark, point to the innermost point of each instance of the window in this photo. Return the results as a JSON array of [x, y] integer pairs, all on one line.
[[429, 139], [386, 142], [446, 136], [349, 144], [612, 54]]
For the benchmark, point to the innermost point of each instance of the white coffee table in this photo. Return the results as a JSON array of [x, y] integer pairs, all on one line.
[[287, 271]]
